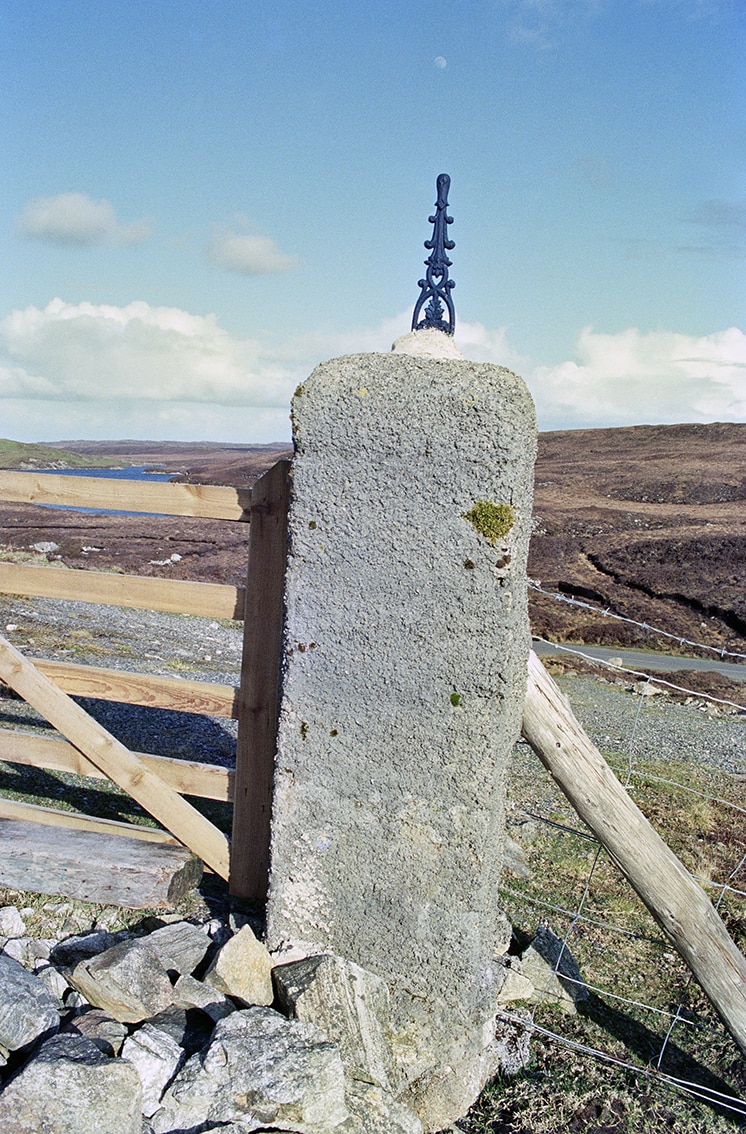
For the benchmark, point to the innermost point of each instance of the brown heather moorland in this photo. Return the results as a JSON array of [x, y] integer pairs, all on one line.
[[647, 521]]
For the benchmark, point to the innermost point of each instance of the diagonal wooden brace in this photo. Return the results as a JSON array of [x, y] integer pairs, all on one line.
[[678, 904], [125, 768]]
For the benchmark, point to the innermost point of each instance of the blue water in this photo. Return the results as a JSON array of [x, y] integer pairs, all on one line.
[[131, 472]]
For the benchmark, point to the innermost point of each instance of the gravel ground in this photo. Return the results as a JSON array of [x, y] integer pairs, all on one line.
[[656, 728], [620, 723], [171, 645]]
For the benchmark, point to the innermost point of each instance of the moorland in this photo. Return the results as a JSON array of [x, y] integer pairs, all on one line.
[[646, 521]]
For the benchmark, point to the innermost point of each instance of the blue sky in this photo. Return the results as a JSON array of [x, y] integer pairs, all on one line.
[[202, 199]]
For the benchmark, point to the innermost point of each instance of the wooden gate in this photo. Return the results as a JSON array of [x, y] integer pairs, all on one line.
[[159, 783]]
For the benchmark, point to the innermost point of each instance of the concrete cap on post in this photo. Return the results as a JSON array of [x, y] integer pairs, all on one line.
[[404, 676]]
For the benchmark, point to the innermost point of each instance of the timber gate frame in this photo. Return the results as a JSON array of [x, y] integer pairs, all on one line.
[[160, 783]]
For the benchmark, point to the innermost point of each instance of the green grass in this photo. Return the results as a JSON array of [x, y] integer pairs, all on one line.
[[16, 454], [639, 980]]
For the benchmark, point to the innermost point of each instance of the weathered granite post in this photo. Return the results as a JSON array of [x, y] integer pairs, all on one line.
[[404, 679]]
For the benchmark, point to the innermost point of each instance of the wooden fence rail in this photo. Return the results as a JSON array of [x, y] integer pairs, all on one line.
[[159, 784], [86, 749], [107, 588], [207, 501]]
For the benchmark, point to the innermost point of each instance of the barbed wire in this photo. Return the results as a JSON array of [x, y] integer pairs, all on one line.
[[638, 673], [671, 1018], [606, 612], [705, 1094]]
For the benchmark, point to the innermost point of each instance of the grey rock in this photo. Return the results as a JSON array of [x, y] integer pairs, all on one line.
[[243, 968], [20, 949], [516, 861], [53, 981], [129, 981], [180, 946], [11, 922], [41, 950], [157, 1058], [74, 1001], [374, 1111], [192, 993], [515, 986], [70, 1087], [260, 1070], [190, 1028], [80, 947], [348, 1004], [107, 1033], [553, 971], [27, 1011]]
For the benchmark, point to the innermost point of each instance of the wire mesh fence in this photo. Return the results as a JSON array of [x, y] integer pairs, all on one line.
[[629, 1001]]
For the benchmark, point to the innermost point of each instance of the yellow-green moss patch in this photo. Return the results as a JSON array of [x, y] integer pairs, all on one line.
[[493, 521]]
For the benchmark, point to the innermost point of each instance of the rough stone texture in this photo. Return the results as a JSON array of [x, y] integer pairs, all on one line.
[[515, 986], [260, 1070], [243, 968], [191, 993], [157, 1058], [70, 1087], [80, 947], [553, 971], [350, 1005], [27, 1011], [129, 981], [406, 645], [53, 981], [107, 1033], [94, 867], [180, 946], [262, 1065], [427, 343], [11, 922], [374, 1111]]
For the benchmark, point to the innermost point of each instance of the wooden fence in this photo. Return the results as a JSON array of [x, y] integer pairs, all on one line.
[[159, 783]]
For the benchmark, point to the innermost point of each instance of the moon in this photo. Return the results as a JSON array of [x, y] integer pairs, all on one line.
[[440, 62]]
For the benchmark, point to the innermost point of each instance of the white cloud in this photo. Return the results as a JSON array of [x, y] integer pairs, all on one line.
[[479, 344], [74, 218], [87, 370], [247, 254], [137, 369], [542, 24], [631, 378]]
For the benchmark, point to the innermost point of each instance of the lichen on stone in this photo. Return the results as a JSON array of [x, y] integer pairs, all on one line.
[[493, 521]]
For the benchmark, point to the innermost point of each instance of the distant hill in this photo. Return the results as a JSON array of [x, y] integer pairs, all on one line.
[[19, 455], [648, 521]]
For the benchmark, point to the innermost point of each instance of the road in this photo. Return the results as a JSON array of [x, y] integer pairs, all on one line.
[[649, 660]]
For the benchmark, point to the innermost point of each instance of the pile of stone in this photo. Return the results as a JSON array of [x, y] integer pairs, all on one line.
[[193, 1028]]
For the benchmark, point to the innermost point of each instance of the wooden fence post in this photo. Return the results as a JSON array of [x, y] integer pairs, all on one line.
[[679, 905], [260, 674]]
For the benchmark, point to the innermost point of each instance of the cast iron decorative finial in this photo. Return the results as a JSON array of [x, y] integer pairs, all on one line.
[[436, 286]]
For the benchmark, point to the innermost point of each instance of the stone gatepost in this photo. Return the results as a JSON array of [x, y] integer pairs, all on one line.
[[404, 677]]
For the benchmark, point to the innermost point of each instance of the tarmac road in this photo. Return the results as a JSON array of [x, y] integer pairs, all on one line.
[[648, 659]]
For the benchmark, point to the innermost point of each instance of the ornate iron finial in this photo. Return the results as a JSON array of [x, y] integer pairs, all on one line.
[[436, 286]]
